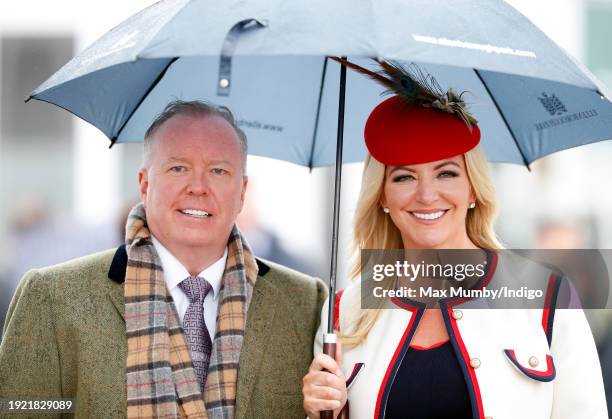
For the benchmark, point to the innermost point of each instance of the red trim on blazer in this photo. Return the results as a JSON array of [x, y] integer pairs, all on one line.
[[547, 300], [403, 304], [356, 370], [545, 376], [398, 349], [457, 334], [337, 311], [466, 359]]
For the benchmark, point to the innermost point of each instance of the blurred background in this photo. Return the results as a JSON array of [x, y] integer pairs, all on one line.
[[64, 194]]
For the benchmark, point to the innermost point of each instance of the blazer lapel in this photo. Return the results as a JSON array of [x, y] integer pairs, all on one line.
[[116, 297], [259, 326]]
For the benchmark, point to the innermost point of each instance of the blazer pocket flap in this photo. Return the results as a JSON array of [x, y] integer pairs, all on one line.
[[537, 367], [357, 369]]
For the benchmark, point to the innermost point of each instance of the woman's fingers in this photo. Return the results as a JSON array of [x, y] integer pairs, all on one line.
[[323, 385], [313, 405], [326, 393], [323, 391], [324, 379], [325, 362]]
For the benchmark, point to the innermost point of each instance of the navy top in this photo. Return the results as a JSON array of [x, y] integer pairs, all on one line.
[[429, 384]]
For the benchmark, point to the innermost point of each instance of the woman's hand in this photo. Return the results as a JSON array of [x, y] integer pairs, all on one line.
[[324, 390]]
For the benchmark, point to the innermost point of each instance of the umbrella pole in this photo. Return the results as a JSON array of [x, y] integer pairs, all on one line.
[[329, 338]]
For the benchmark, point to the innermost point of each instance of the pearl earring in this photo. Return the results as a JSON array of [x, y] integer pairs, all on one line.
[[386, 210], [473, 205]]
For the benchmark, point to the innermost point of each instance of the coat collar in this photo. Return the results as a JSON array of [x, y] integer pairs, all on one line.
[[116, 273], [118, 266]]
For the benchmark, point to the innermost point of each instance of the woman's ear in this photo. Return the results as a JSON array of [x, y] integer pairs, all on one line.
[[472, 199], [382, 201]]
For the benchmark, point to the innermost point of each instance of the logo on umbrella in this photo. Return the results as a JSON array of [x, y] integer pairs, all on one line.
[[553, 105]]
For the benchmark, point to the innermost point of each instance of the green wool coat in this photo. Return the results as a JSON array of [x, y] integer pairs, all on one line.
[[64, 337]]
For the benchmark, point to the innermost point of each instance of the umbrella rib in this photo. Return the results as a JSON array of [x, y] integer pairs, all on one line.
[[503, 118], [316, 127], [149, 90]]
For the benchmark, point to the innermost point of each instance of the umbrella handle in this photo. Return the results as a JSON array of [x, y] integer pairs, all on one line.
[[329, 349]]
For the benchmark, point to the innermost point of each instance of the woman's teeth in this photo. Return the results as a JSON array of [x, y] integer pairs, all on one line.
[[429, 216], [195, 213]]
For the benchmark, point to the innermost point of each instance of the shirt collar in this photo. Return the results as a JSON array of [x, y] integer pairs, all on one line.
[[175, 272]]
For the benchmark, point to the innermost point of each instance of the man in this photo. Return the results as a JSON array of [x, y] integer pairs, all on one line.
[[106, 331]]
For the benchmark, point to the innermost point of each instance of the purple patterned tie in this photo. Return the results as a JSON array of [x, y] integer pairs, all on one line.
[[194, 326]]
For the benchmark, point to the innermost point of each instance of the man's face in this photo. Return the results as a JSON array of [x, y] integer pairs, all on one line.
[[194, 185]]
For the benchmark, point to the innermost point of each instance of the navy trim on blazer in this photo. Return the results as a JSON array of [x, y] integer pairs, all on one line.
[[544, 376], [446, 307], [462, 361], [356, 370], [398, 357], [116, 272], [550, 305]]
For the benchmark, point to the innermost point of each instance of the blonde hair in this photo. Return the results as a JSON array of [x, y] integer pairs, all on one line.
[[373, 229]]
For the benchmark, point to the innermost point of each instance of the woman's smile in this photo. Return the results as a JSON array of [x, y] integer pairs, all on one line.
[[429, 216]]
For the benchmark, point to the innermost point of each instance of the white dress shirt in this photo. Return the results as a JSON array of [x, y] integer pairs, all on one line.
[[175, 273]]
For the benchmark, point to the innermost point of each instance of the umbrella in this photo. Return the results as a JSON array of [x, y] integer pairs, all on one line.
[[267, 61]]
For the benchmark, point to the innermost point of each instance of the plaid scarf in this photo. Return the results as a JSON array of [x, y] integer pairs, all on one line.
[[161, 381]]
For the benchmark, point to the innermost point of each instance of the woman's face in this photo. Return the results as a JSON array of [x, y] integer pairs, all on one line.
[[429, 202]]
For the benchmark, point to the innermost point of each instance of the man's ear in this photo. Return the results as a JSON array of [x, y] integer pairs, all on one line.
[[143, 181], [245, 182]]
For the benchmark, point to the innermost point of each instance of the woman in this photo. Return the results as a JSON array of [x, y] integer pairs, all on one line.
[[426, 186]]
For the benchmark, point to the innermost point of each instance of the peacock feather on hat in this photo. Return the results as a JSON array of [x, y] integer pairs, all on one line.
[[414, 85]]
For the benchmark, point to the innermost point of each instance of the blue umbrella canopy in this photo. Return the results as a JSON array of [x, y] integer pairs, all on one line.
[[266, 60]]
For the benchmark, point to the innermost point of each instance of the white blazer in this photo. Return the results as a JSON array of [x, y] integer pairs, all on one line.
[[517, 363]]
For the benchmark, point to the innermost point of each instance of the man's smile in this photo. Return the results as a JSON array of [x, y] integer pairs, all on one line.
[[195, 213]]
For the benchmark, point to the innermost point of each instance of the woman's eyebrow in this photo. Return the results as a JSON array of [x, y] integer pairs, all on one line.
[[445, 163], [396, 168]]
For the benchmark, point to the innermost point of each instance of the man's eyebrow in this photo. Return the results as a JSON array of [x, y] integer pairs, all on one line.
[[219, 162], [171, 160], [175, 160]]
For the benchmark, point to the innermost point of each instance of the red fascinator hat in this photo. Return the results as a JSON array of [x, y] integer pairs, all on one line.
[[420, 123], [400, 133]]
